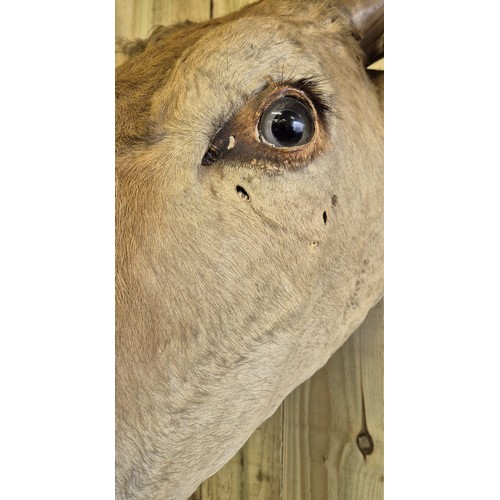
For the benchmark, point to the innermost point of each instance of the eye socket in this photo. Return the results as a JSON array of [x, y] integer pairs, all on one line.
[[286, 123]]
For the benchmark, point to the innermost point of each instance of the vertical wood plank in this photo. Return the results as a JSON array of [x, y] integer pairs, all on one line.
[[223, 7], [135, 18], [227, 484], [333, 424], [255, 472]]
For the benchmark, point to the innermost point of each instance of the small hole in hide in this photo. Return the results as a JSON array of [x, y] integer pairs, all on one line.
[[334, 200], [242, 193], [324, 217]]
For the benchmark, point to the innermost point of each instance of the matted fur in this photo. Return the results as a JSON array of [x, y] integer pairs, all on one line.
[[225, 303]]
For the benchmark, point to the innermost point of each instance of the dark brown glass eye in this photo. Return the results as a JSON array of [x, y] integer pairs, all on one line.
[[286, 123]]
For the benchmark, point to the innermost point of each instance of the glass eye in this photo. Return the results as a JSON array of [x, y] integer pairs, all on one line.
[[286, 123]]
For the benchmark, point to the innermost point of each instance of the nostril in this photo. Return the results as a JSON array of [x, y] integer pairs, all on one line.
[[242, 193], [324, 217], [334, 200]]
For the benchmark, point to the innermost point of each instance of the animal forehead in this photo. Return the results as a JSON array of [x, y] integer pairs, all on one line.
[[231, 57], [260, 21]]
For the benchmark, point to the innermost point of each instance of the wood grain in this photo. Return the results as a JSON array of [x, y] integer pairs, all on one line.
[[333, 424], [255, 472], [223, 7], [135, 18]]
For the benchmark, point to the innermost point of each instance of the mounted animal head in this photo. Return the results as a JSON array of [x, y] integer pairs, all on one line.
[[249, 226]]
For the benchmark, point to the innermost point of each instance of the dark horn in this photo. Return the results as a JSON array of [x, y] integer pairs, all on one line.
[[367, 17]]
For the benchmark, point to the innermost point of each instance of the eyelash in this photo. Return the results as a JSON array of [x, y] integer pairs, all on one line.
[[242, 128], [311, 87]]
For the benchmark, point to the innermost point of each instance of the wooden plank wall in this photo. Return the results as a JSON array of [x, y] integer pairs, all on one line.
[[325, 442]]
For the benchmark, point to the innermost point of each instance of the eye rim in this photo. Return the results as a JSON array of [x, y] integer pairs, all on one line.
[[276, 96], [243, 126]]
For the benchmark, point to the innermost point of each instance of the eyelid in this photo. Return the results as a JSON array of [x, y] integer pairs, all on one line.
[[238, 139], [323, 101]]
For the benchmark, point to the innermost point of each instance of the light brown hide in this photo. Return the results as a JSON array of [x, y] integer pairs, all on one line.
[[224, 306]]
